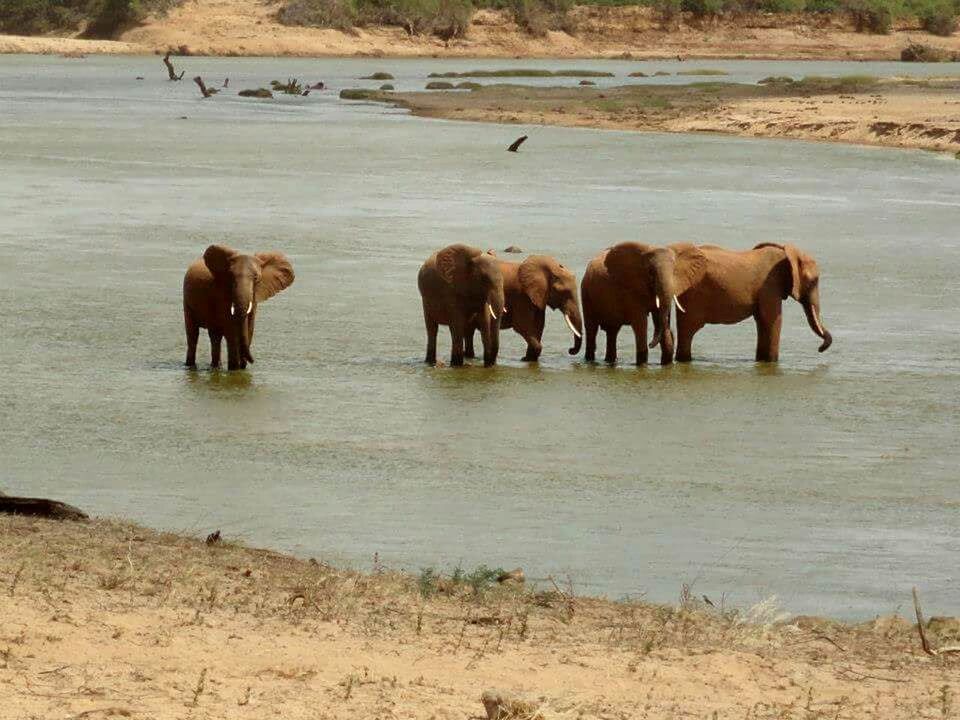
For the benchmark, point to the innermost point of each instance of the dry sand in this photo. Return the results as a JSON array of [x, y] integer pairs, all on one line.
[[894, 113], [249, 27], [105, 619]]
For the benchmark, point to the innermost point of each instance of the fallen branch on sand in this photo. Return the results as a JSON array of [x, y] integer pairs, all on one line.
[[934, 652], [40, 507]]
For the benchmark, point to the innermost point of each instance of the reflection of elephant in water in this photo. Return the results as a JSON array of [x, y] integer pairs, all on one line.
[[530, 288], [738, 284], [221, 291], [625, 283], [462, 287]]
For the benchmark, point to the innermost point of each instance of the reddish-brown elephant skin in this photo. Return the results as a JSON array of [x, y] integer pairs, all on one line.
[[629, 281], [751, 283], [530, 287], [462, 286], [221, 292]]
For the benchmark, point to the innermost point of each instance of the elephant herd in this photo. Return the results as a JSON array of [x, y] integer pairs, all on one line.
[[470, 290]]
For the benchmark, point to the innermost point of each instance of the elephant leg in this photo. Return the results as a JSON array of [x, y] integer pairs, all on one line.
[[590, 328], [456, 344], [686, 329], [640, 337], [431, 324], [215, 339], [611, 332], [233, 353], [528, 323], [768, 335], [468, 351], [193, 333]]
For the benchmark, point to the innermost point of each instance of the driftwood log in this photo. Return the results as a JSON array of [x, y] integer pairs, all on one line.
[[207, 92], [515, 145], [40, 507], [170, 71]]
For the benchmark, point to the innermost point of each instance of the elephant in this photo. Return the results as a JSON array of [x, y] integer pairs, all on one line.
[[221, 292], [462, 287], [625, 283], [530, 287], [738, 284]]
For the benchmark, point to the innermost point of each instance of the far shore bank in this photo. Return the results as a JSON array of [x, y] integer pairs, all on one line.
[[110, 619], [251, 28], [901, 113]]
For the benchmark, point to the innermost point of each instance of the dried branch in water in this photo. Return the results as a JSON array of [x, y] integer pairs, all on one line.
[[515, 145], [207, 92], [170, 71]]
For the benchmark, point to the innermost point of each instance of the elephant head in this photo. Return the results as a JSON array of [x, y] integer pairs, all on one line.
[[477, 281], [803, 285], [656, 277], [246, 280], [549, 284]]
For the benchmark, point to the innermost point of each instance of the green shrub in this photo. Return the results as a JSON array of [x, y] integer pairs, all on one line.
[[783, 6], [103, 18], [824, 6], [668, 12], [359, 94], [378, 76], [337, 14], [874, 16], [938, 17], [439, 85], [702, 8]]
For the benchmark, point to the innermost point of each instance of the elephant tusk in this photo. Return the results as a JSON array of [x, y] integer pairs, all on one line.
[[657, 298], [490, 310], [570, 325], [249, 307], [679, 306], [233, 310]]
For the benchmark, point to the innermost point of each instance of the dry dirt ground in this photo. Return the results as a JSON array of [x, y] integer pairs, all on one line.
[[104, 619], [250, 27], [894, 113]]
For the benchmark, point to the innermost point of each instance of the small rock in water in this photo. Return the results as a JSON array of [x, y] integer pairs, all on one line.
[[514, 249], [213, 538]]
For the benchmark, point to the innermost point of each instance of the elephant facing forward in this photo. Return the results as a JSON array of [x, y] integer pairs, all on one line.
[[221, 292], [530, 287], [740, 284], [625, 283], [462, 287]]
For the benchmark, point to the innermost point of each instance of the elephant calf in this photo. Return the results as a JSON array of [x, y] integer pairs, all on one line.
[[627, 282], [221, 291], [462, 287], [530, 287], [741, 284]]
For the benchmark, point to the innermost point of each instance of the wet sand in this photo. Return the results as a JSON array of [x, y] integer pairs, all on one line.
[[107, 619], [893, 113]]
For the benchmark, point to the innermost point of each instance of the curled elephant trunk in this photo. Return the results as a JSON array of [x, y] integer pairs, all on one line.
[[812, 310], [661, 318], [571, 314]]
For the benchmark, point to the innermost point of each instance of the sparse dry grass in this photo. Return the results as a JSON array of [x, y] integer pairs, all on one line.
[[107, 615]]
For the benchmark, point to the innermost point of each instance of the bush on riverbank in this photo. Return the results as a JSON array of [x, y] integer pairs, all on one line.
[[96, 18]]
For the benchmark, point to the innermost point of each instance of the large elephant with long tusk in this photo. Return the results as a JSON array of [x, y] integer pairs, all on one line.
[[221, 292], [752, 283], [530, 287], [629, 281], [462, 288]]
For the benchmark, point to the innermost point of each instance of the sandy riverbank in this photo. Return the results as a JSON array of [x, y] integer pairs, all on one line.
[[250, 27], [894, 113], [104, 619]]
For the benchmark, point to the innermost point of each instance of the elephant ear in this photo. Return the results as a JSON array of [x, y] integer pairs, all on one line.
[[690, 265], [217, 258], [795, 259], [628, 262], [276, 274], [453, 263], [533, 279]]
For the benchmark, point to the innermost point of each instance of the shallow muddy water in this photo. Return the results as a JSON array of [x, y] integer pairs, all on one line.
[[829, 480]]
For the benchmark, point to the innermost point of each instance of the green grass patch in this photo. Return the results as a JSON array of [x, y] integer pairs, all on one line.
[[378, 76], [359, 94], [522, 72], [439, 85]]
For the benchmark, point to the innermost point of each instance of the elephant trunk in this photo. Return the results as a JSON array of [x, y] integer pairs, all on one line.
[[811, 306], [663, 303], [571, 313], [490, 327], [240, 310]]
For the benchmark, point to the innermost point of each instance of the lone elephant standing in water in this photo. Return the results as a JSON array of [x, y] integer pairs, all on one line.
[[221, 291], [530, 287], [740, 284], [462, 287]]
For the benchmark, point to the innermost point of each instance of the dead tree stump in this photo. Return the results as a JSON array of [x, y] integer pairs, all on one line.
[[170, 71]]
